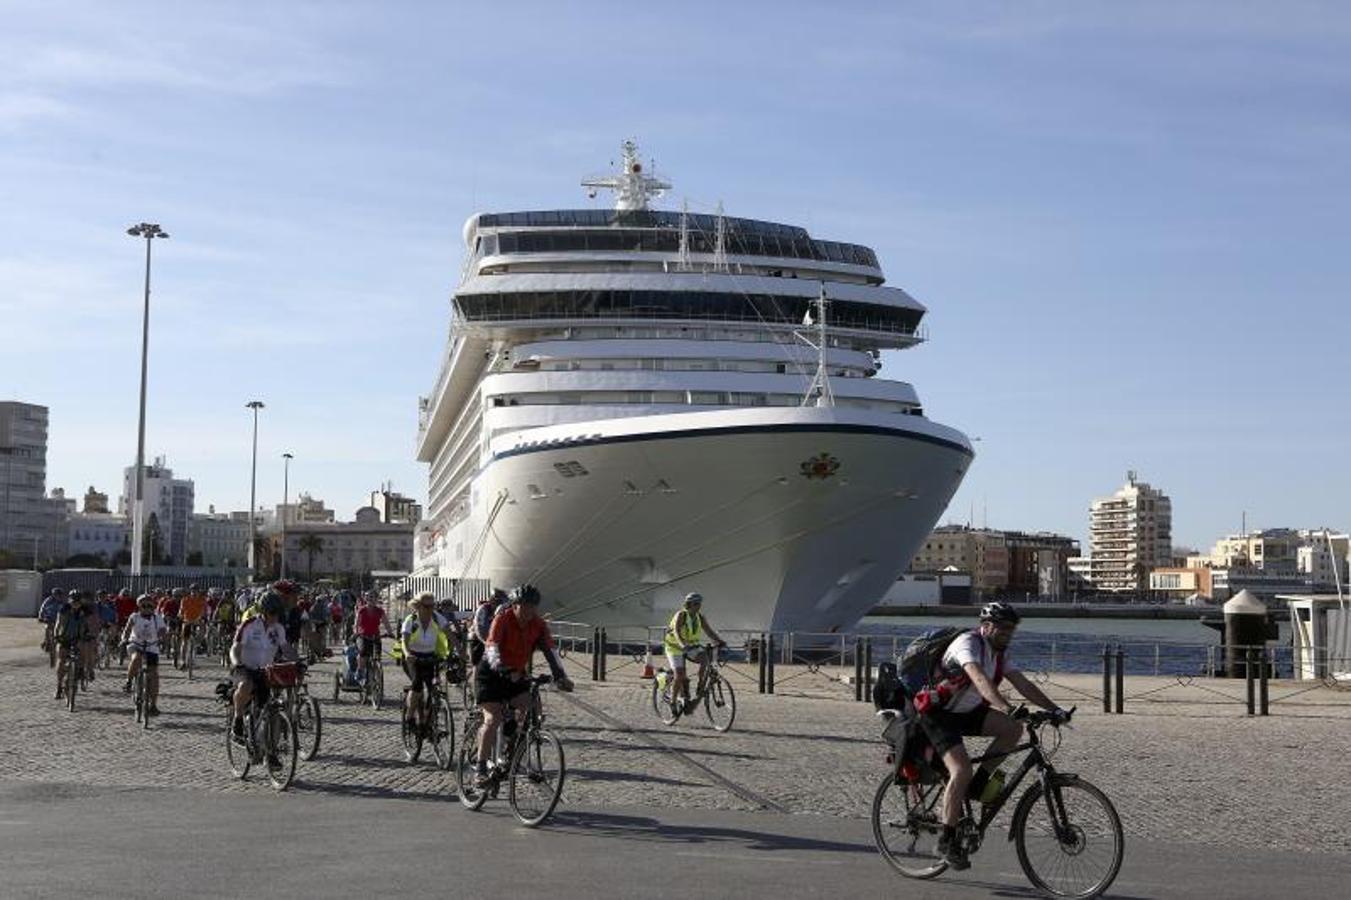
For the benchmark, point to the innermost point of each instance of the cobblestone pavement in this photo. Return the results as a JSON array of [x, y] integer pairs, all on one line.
[[1182, 766]]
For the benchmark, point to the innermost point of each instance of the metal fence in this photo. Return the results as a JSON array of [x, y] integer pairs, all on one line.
[[94, 581]]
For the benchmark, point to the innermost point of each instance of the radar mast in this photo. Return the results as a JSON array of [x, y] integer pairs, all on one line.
[[632, 187]]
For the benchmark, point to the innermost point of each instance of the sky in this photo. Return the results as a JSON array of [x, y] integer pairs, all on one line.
[[1128, 221]]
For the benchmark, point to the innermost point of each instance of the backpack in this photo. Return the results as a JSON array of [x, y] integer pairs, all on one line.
[[887, 693], [920, 661]]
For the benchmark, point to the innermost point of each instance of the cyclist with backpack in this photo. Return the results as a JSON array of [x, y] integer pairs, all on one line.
[[965, 702]]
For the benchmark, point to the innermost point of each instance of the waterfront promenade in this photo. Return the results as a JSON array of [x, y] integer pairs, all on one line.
[[1208, 796]]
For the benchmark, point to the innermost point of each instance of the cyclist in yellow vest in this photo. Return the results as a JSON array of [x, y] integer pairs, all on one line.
[[684, 640], [425, 644]]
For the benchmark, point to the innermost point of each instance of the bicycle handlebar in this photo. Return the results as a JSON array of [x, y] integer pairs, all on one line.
[[1041, 717]]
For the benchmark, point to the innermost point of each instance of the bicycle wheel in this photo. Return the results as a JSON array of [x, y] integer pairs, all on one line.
[[661, 701], [235, 752], [375, 687], [720, 703], [411, 736], [309, 726], [906, 826], [337, 686], [443, 734], [535, 781], [190, 656], [466, 768], [139, 698], [1072, 846], [72, 683], [281, 744]]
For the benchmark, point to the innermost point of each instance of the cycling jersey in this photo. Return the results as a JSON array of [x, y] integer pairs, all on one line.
[[510, 645], [368, 621], [145, 631], [169, 607], [428, 640], [192, 608], [972, 647], [259, 642], [126, 608]]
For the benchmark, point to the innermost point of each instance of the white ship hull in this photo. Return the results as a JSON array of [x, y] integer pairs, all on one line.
[[791, 519]]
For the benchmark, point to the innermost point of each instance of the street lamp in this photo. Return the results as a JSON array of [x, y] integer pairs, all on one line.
[[285, 505], [254, 405], [149, 231]]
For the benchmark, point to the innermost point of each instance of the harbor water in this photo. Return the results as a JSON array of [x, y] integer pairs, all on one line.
[[1181, 647]]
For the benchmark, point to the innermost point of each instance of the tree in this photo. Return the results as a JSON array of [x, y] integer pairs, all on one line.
[[311, 544]]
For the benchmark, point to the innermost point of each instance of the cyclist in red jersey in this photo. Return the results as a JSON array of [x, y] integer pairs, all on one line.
[[370, 622]]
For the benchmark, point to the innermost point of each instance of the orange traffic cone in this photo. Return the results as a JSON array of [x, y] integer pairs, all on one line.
[[647, 667]]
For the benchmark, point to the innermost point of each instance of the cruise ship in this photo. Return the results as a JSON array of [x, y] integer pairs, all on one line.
[[637, 403]]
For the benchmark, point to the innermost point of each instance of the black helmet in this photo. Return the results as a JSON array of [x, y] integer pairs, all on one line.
[[527, 594], [272, 604], [1000, 613]]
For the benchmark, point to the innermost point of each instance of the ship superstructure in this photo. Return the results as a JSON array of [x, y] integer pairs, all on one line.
[[637, 403]]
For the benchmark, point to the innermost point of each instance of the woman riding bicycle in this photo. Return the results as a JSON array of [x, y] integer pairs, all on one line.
[[684, 640]]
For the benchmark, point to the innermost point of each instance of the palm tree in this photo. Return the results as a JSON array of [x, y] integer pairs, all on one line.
[[311, 544]]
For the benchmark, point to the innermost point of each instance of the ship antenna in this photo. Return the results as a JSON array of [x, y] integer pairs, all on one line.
[[820, 386], [720, 242], [683, 259], [632, 186]]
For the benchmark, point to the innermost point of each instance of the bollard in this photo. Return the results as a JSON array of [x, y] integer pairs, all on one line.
[[1120, 680], [595, 655], [769, 665], [763, 656], [858, 669], [1249, 677], [1106, 679], [1263, 704], [604, 653], [868, 669]]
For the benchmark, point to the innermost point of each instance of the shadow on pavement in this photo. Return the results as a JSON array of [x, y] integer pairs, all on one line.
[[611, 775], [643, 828], [365, 790]]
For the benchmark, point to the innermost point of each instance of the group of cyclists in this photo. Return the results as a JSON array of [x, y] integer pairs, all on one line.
[[496, 642]]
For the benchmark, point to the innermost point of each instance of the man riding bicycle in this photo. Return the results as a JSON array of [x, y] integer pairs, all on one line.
[[77, 624], [257, 644], [425, 637], [973, 666], [516, 633], [191, 611], [684, 640], [143, 634], [371, 622], [51, 608]]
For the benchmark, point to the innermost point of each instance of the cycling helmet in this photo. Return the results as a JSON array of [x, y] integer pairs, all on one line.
[[285, 586], [426, 598], [527, 594], [693, 597], [1000, 613], [272, 604], [145, 600], [125, 592], [193, 589], [178, 592]]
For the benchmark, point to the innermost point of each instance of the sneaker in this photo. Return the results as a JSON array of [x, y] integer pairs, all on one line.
[[126, 688], [482, 778], [154, 710], [956, 857], [59, 694]]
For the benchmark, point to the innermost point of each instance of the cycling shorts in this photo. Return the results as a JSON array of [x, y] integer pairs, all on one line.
[[945, 730], [497, 687], [151, 657], [369, 646], [256, 677], [421, 668]]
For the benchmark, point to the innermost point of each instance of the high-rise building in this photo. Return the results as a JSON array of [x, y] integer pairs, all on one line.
[[31, 524], [1000, 563], [168, 508], [1130, 533]]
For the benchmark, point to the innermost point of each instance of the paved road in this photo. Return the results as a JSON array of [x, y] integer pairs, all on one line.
[[63, 840]]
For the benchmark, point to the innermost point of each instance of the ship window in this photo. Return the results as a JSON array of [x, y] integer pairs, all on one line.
[[571, 469]]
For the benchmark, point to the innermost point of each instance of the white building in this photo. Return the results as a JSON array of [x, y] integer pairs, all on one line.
[[1323, 557], [1130, 533], [169, 500], [349, 548], [222, 539], [97, 534], [32, 527]]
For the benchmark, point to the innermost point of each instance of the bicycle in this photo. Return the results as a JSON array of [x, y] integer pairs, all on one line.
[[304, 712], [108, 647], [141, 693], [526, 756], [189, 650], [712, 690], [75, 675], [1061, 825], [434, 723], [276, 744]]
